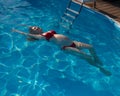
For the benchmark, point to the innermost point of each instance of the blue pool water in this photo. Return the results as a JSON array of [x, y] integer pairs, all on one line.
[[42, 69]]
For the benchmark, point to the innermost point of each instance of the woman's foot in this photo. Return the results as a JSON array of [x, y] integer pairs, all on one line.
[[106, 72]]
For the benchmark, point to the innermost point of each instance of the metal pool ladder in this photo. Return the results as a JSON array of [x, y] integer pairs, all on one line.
[[71, 13]]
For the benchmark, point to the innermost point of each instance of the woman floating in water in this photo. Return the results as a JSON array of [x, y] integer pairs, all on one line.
[[67, 45]]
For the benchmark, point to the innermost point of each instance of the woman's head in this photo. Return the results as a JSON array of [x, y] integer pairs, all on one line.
[[35, 30]]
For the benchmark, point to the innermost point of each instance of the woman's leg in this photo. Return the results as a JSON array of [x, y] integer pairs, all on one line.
[[88, 58], [81, 54], [81, 45]]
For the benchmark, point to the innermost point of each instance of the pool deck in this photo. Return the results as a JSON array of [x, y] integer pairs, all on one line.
[[109, 7]]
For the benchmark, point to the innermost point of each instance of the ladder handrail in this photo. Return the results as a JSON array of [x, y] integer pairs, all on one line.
[[83, 1], [68, 13]]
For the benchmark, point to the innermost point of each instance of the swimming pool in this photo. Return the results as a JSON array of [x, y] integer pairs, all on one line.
[[40, 68]]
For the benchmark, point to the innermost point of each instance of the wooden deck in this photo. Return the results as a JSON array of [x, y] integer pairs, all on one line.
[[110, 8]]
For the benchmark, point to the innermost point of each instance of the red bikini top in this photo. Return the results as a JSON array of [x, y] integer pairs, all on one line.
[[49, 34]]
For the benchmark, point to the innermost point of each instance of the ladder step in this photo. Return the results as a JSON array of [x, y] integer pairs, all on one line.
[[77, 2], [67, 20], [73, 11], [69, 15]]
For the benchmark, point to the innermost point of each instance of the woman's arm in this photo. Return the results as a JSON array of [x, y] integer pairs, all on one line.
[[20, 32], [27, 34]]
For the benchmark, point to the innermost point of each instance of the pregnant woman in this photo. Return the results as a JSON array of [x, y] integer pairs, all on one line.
[[65, 44]]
